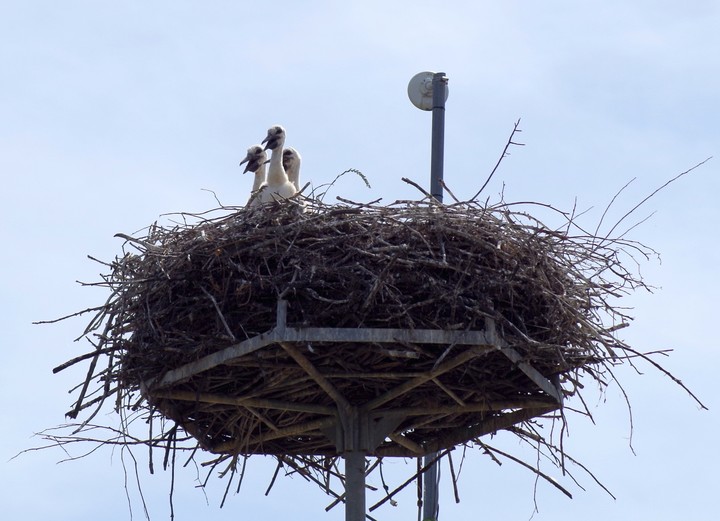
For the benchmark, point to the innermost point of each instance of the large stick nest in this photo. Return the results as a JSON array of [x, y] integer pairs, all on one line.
[[185, 292], [196, 287], [189, 290]]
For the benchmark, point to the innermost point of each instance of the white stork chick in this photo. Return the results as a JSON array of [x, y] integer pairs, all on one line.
[[256, 159], [291, 163], [277, 185]]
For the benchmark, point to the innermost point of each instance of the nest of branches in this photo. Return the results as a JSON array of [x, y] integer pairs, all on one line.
[[433, 325], [181, 294], [187, 291]]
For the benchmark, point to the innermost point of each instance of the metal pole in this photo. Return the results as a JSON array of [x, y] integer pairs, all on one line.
[[430, 489], [430, 479], [354, 485], [439, 84]]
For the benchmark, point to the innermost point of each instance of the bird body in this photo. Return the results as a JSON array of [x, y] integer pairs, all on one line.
[[291, 160], [277, 186]]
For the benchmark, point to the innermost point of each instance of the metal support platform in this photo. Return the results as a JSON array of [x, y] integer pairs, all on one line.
[[376, 427]]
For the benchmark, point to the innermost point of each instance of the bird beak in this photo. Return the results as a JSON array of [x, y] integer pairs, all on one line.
[[270, 142], [252, 163], [248, 160]]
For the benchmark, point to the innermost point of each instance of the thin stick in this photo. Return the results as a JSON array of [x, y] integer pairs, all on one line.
[[504, 154], [533, 469], [217, 308], [653, 193], [275, 474]]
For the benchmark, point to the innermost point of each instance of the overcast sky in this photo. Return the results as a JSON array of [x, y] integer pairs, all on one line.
[[113, 113]]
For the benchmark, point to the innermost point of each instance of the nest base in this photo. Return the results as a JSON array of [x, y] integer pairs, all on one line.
[[423, 408]]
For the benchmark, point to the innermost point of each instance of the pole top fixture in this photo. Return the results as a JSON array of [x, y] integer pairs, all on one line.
[[420, 89]]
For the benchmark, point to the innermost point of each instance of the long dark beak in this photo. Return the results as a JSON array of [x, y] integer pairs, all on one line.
[[270, 142], [250, 163]]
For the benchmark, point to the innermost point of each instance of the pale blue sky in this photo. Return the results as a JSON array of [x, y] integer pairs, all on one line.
[[113, 113]]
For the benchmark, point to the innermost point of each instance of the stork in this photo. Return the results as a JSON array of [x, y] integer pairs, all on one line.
[[277, 186], [291, 163], [256, 159]]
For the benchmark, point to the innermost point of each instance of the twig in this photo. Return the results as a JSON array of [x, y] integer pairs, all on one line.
[[653, 193], [535, 470], [504, 154], [217, 308]]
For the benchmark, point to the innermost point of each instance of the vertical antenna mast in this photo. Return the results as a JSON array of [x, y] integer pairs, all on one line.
[[428, 91], [439, 95]]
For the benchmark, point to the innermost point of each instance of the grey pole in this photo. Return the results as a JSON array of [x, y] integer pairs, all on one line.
[[419, 92], [430, 489], [354, 485], [439, 84]]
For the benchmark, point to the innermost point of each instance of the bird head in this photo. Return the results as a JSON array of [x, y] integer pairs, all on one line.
[[275, 136], [290, 158], [256, 157]]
